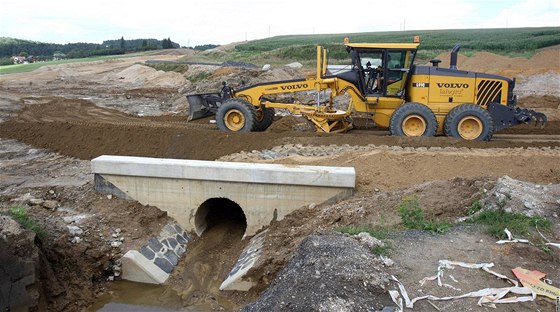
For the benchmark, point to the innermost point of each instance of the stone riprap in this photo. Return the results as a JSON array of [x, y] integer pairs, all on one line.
[[236, 279], [154, 262]]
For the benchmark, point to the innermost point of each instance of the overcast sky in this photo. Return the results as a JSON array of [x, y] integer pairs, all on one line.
[[221, 21]]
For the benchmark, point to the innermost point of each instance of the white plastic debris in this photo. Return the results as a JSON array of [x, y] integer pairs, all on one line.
[[488, 296]]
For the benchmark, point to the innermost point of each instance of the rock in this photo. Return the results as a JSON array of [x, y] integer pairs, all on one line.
[[522, 197], [294, 65], [266, 67], [387, 261], [368, 240], [36, 201], [20, 264], [50, 204], [74, 230], [110, 196], [116, 244], [24, 199], [76, 240]]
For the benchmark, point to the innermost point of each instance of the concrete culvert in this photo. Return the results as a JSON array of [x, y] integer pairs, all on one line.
[[217, 212]]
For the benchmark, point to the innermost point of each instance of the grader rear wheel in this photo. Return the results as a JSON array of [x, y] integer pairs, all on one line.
[[470, 127], [469, 122]]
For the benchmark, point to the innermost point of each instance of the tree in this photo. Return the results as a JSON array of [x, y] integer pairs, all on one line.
[[122, 42], [167, 43]]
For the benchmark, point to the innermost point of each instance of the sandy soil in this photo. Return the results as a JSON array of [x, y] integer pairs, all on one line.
[[58, 118]]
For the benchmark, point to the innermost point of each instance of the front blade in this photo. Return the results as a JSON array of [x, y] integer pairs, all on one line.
[[201, 105]]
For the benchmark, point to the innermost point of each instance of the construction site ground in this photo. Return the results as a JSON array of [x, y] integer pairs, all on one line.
[[54, 120]]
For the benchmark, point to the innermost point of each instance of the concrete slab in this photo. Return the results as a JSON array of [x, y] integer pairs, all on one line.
[[138, 268], [265, 192], [224, 171]]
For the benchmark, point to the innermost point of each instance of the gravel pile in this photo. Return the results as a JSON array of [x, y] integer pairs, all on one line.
[[288, 150], [329, 272]]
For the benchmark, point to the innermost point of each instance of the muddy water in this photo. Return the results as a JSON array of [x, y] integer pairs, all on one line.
[[209, 260], [130, 296], [194, 284]]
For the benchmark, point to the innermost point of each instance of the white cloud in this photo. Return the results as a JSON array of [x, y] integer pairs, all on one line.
[[221, 21]]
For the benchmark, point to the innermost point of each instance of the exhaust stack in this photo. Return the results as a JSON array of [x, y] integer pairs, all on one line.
[[453, 60]]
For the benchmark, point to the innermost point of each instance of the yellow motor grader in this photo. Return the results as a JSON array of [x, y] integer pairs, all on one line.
[[383, 82]]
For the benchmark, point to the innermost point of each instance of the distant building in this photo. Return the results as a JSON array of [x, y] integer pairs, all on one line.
[[19, 59], [58, 56]]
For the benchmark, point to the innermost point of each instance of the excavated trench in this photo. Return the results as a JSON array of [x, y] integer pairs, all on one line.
[[195, 282]]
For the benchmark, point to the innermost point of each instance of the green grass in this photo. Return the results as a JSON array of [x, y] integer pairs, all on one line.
[[171, 67], [199, 76], [519, 225], [412, 216], [497, 39], [20, 215]]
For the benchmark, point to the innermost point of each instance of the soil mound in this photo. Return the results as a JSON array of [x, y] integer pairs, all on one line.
[[543, 61], [144, 76]]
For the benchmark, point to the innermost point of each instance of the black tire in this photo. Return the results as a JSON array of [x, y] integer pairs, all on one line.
[[236, 115], [469, 122], [420, 119], [265, 117]]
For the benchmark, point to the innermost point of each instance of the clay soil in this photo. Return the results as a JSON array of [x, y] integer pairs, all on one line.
[[57, 119]]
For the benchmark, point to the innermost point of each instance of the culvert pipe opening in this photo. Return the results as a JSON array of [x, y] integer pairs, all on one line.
[[220, 212]]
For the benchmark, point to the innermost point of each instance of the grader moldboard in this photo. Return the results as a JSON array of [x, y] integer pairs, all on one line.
[[383, 82]]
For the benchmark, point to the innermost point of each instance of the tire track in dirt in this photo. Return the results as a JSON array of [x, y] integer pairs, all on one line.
[[79, 128]]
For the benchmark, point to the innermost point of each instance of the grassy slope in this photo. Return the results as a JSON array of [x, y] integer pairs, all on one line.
[[281, 49]]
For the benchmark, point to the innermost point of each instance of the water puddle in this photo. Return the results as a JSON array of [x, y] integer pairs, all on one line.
[[130, 296]]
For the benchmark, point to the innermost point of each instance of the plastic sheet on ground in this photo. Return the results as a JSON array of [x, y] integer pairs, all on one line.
[[487, 296]]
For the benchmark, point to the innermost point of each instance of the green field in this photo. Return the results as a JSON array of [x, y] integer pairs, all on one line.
[[521, 42]]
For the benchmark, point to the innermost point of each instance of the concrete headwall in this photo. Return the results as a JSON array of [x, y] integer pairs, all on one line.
[[263, 191]]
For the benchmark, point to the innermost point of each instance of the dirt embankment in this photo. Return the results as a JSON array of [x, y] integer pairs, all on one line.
[[79, 128]]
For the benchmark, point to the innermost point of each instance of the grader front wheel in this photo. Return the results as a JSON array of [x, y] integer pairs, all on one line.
[[413, 119], [236, 116], [265, 117]]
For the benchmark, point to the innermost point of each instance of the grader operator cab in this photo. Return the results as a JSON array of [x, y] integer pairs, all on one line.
[[383, 82]]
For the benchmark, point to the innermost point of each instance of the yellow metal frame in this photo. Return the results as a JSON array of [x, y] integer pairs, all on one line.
[[324, 117]]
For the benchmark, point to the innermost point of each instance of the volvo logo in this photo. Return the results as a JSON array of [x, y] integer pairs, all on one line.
[[452, 85], [294, 87]]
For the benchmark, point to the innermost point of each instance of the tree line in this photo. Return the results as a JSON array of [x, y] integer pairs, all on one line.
[[14, 47]]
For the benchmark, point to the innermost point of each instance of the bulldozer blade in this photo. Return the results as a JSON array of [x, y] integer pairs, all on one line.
[[202, 105]]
